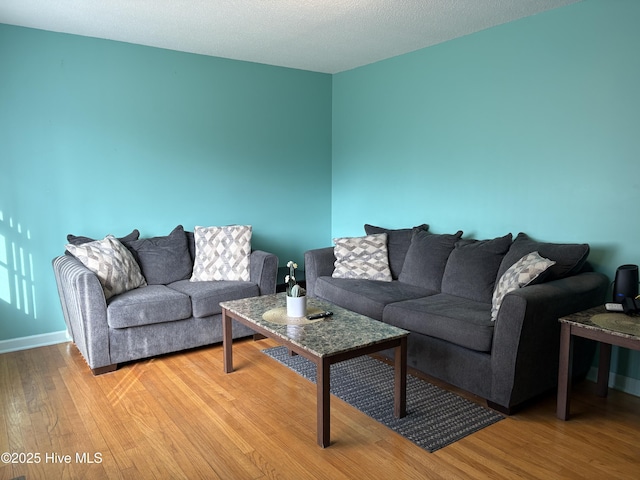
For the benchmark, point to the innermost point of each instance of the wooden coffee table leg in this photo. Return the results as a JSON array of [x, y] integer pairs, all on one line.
[[323, 383], [400, 367], [227, 342]]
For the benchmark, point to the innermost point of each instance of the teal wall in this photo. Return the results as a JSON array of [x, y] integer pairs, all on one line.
[[101, 137], [531, 126]]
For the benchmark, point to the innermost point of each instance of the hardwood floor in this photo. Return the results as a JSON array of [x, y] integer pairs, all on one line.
[[180, 416]]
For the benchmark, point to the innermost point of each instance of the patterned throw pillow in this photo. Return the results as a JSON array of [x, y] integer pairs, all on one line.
[[520, 274], [222, 253], [112, 263], [362, 257]]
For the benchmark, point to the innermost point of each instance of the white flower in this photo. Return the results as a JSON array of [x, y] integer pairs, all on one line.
[[293, 289]]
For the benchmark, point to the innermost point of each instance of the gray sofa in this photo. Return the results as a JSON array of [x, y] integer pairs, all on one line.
[[170, 313], [442, 289]]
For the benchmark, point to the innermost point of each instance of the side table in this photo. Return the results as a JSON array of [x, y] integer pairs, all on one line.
[[604, 327]]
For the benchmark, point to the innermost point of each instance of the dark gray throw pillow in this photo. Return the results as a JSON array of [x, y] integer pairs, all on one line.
[[163, 260], [427, 258], [569, 257], [79, 240], [472, 268], [191, 241], [398, 242]]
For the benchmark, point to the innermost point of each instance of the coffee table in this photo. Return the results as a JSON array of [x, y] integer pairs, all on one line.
[[340, 337]]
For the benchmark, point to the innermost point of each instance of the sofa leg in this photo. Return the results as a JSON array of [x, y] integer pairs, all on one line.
[[107, 369], [500, 408]]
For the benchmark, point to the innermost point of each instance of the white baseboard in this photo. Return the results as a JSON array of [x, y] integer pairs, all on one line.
[[33, 341], [618, 382]]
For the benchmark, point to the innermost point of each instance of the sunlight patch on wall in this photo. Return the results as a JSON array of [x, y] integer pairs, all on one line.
[[17, 286], [5, 293]]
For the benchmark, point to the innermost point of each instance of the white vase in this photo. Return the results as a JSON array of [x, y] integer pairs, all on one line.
[[296, 306]]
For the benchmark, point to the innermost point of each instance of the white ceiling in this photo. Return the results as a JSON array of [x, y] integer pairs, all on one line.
[[319, 35]]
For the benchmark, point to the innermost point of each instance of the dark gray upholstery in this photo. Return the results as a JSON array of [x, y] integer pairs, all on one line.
[[457, 320], [569, 257], [472, 268], [146, 305], [79, 239], [206, 296], [367, 297], [154, 319], [427, 258], [164, 259], [507, 362], [398, 242], [151, 340]]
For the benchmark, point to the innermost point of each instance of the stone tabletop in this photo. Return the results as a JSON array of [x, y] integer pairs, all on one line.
[[343, 331], [597, 318]]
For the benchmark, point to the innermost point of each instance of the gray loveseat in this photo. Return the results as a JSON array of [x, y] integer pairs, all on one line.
[[442, 289], [168, 314]]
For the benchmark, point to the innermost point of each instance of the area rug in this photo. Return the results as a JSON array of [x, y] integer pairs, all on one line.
[[435, 417]]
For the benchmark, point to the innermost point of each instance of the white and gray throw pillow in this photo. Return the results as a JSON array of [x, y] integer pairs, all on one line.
[[112, 263], [522, 273], [362, 257], [222, 253]]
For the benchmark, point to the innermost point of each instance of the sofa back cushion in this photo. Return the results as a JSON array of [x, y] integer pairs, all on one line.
[[472, 268], [79, 239], [398, 242], [163, 260], [569, 257], [427, 258]]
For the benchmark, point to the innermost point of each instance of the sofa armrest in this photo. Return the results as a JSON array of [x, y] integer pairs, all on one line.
[[263, 271], [317, 263], [84, 309], [527, 334]]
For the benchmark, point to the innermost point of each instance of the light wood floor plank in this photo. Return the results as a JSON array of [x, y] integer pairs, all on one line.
[[180, 416]]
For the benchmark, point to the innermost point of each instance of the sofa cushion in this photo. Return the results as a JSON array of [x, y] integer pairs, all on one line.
[[427, 258], [144, 306], [206, 296], [398, 242], [222, 253], [569, 257], [457, 320], [362, 257], [367, 297], [112, 263], [528, 270], [79, 240], [472, 268], [191, 241], [164, 259]]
